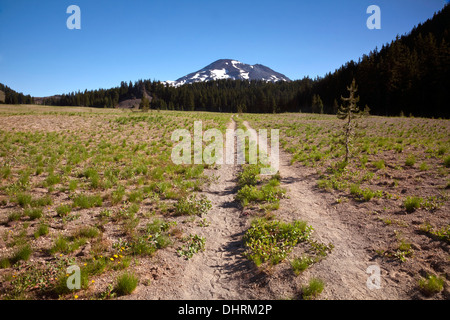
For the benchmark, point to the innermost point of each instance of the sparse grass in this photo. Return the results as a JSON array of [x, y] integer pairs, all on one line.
[[411, 204], [442, 234], [41, 231], [4, 263], [192, 206], [23, 253], [33, 214], [447, 161], [269, 191], [52, 180], [313, 289], [363, 194], [86, 232], [424, 166], [63, 210], [41, 202], [61, 245], [65, 245], [301, 264], [73, 185], [404, 248], [126, 283], [431, 285], [14, 216], [87, 201], [23, 199], [118, 195], [140, 246], [379, 164], [249, 176]]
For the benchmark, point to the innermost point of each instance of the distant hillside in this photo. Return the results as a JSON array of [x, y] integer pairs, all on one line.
[[9, 96]]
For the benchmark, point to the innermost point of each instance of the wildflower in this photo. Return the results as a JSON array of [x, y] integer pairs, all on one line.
[[112, 259], [76, 297], [115, 256]]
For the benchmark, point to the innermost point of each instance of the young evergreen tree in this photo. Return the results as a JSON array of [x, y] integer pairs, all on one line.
[[349, 111], [145, 104]]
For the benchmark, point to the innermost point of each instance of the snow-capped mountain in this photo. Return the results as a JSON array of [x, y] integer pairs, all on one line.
[[230, 69]]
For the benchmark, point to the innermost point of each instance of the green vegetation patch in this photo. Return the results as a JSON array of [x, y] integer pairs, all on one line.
[[273, 240]]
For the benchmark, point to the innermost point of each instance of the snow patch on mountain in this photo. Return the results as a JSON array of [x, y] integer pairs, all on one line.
[[230, 69]]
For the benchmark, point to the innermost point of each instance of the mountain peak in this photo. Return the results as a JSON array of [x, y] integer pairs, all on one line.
[[230, 69]]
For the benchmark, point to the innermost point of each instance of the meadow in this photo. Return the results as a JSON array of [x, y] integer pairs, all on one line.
[[97, 188]]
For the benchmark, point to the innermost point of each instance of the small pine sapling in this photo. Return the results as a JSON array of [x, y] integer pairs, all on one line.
[[349, 111]]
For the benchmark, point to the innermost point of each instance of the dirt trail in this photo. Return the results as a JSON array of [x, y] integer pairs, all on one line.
[[218, 272], [210, 275], [344, 269]]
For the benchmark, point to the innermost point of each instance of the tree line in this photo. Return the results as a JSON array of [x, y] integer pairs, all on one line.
[[411, 75], [9, 96]]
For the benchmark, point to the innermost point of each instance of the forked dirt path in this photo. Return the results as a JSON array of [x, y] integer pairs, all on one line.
[[344, 269], [222, 273]]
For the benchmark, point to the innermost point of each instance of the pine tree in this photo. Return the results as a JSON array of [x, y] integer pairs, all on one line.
[[145, 104], [317, 104], [335, 106], [274, 106], [349, 111]]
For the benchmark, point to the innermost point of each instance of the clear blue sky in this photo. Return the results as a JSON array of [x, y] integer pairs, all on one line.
[[164, 40]]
